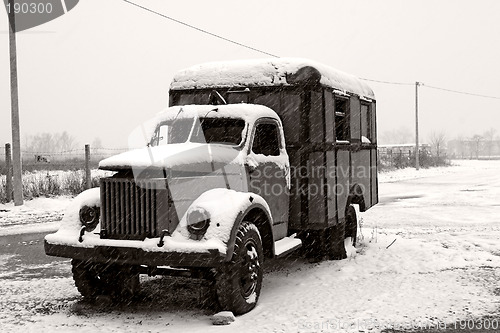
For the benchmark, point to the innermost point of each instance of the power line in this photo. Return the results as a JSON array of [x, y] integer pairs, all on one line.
[[201, 30], [275, 56], [432, 87], [462, 92], [389, 82]]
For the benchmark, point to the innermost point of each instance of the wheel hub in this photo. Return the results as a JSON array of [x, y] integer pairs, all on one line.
[[250, 267]]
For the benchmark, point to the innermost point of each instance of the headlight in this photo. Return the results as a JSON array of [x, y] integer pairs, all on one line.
[[89, 216], [198, 221]]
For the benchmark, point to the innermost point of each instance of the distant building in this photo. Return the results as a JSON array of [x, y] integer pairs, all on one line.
[[402, 155], [474, 148], [407, 148]]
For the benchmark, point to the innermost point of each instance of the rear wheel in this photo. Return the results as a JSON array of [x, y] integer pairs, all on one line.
[[238, 282], [335, 242], [351, 226], [326, 243], [315, 244]]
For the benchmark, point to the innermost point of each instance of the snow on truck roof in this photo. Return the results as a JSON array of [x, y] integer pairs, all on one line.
[[267, 72], [247, 112]]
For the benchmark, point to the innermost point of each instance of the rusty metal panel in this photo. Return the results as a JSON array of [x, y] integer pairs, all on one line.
[[374, 177], [331, 181], [316, 117], [316, 195], [343, 181], [361, 173]]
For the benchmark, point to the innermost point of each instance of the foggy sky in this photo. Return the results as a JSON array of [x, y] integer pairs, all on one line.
[[105, 66]]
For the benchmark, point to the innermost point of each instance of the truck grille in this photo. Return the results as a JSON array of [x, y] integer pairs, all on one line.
[[135, 209]]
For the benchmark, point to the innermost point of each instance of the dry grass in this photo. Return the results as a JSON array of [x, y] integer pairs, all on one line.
[[52, 183]]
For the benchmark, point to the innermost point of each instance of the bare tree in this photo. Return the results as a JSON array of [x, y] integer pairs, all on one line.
[[461, 142], [437, 141], [96, 145], [489, 137], [65, 142], [476, 142], [46, 143]]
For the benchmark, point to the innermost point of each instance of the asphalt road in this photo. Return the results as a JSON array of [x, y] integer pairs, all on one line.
[[23, 257]]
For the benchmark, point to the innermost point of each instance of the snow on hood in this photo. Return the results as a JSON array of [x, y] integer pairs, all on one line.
[[171, 156], [264, 72]]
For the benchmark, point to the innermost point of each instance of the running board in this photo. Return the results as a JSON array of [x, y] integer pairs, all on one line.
[[286, 245]]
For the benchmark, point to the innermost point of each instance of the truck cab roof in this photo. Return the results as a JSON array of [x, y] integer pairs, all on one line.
[[248, 112]]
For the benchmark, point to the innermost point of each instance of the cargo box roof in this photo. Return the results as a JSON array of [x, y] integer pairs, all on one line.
[[267, 72]]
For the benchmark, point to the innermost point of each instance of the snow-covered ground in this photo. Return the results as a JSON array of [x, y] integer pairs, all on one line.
[[429, 255], [37, 215]]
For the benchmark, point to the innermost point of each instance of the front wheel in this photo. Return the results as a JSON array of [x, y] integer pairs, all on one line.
[[89, 278], [94, 279], [238, 282]]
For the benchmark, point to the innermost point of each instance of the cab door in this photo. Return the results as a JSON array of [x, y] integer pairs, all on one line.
[[269, 170]]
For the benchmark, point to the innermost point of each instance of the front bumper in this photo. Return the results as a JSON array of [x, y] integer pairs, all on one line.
[[136, 256]]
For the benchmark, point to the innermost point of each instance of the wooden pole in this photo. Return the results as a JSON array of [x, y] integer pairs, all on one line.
[[8, 165], [417, 162], [88, 176], [16, 137]]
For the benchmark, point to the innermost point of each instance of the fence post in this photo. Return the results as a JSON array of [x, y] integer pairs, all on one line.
[[88, 176], [8, 165]]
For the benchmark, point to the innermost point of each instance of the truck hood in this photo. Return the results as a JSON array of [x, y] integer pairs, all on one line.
[[173, 156]]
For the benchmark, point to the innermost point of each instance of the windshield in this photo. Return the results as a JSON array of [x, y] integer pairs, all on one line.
[[173, 131], [203, 130]]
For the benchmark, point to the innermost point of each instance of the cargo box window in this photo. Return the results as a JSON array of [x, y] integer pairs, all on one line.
[[266, 140], [187, 98], [329, 116], [365, 123], [341, 119], [237, 96], [269, 99]]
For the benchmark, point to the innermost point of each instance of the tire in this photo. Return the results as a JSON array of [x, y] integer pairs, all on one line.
[[335, 242], [315, 244], [239, 281], [94, 279], [351, 226], [87, 278]]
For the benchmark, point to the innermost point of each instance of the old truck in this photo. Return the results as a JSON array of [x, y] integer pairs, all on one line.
[[252, 160]]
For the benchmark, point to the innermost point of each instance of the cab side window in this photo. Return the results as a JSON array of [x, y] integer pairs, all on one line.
[[365, 121], [266, 140]]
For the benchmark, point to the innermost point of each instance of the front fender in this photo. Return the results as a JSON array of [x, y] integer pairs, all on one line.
[[261, 216], [228, 209], [71, 219]]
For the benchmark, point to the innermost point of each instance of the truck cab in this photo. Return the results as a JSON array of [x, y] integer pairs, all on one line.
[[252, 160]]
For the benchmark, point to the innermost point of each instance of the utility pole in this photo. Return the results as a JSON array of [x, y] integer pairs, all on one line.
[[16, 137], [417, 162]]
